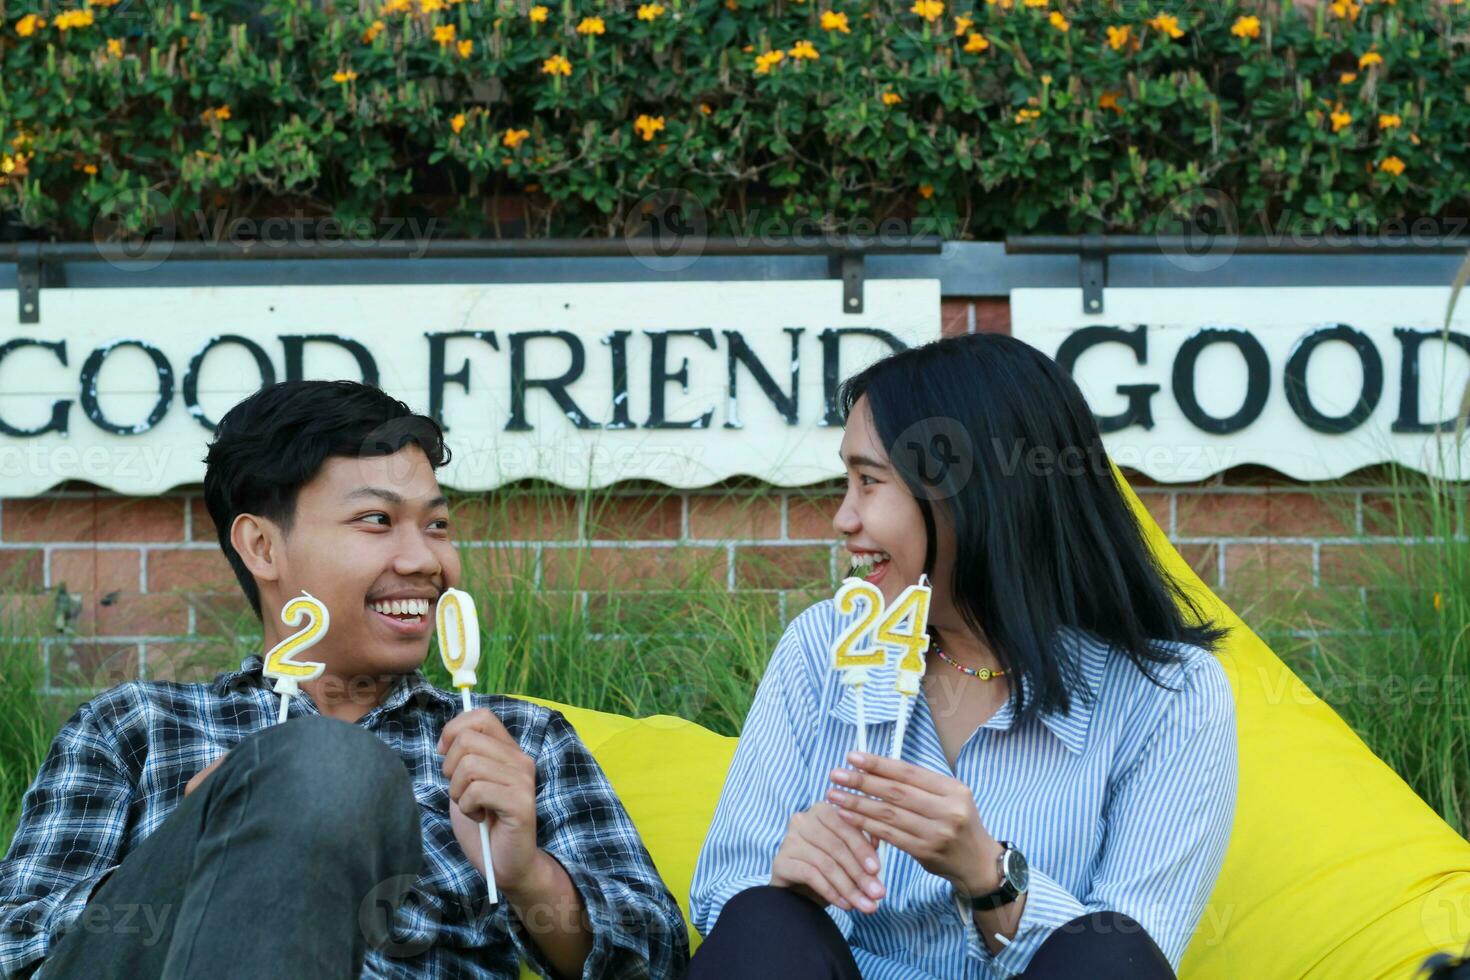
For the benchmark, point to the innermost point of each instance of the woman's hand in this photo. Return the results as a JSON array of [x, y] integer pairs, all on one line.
[[926, 814], [828, 860]]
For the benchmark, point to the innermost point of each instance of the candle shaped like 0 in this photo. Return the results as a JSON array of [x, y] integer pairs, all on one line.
[[458, 628], [853, 665], [281, 663]]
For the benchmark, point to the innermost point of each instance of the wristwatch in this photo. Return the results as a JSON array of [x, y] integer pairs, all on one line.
[[1014, 878]]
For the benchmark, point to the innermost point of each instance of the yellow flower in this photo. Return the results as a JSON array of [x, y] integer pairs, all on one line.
[[465, 48], [1414, 138], [1370, 58], [194, 15], [72, 18], [892, 98], [926, 191], [28, 24], [1035, 3], [591, 25], [457, 123], [1167, 23], [1059, 22], [374, 29], [431, 6], [962, 24], [930, 10], [765, 62], [1246, 27], [648, 125], [102, 3], [556, 65], [514, 137], [833, 21], [223, 112], [1438, 602], [1340, 118], [444, 34], [91, 168], [1119, 36], [803, 50], [539, 14], [1345, 9], [396, 7], [114, 47], [1027, 115], [975, 43], [1391, 165], [343, 77], [650, 11], [1109, 100], [1389, 121], [1348, 77], [704, 108]]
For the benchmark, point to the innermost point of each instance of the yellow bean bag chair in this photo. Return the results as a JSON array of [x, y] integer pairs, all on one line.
[[1335, 870]]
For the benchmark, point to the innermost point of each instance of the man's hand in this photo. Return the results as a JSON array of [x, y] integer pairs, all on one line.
[[927, 814], [202, 775], [828, 860], [490, 777]]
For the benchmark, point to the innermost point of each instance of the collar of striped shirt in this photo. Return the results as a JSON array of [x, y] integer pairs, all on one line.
[[1088, 658]]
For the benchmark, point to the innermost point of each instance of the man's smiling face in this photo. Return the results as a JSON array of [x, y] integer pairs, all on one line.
[[370, 539]]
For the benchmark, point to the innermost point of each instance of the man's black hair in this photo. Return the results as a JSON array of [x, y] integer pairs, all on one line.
[[273, 443]]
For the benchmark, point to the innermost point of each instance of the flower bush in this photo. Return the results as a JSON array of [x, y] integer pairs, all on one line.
[[972, 119]]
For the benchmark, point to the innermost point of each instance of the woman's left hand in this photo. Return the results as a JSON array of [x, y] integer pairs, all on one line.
[[926, 814]]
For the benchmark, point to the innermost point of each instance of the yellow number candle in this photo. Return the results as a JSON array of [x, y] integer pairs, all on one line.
[[852, 661], [458, 628], [906, 629], [281, 662]]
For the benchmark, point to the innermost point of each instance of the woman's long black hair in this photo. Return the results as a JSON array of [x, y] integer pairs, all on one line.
[[1000, 438]]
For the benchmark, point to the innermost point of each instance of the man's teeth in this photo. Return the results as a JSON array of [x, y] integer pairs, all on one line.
[[401, 607]]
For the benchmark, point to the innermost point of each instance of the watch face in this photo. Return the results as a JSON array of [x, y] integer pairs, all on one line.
[[1016, 871]]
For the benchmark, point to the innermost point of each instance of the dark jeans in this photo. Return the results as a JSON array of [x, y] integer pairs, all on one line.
[[768, 933], [286, 862]]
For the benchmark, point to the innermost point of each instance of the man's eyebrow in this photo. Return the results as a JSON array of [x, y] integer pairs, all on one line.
[[394, 498], [858, 460]]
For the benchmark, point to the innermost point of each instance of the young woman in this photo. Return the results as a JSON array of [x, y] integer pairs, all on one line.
[[1067, 781]]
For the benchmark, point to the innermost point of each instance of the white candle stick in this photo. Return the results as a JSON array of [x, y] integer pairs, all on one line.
[[458, 628], [281, 663], [851, 661]]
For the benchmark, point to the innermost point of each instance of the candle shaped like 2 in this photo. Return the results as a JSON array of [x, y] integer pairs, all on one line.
[[458, 629], [281, 663], [850, 661]]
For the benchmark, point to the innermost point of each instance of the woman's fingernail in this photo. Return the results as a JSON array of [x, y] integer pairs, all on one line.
[[871, 865], [875, 889], [841, 776], [868, 905]]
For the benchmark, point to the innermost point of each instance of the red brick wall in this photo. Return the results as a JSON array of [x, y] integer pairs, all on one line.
[[149, 579]]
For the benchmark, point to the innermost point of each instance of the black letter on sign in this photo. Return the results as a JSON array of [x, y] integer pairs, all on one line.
[[555, 387], [93, 367], [1257, 383], [1139, 411], [832, 360], [296, 344], [1408, 420], [740, 353], [659, 376], [191, 376], [59, 409], [438, 379], [617, 343], [1300, 399]]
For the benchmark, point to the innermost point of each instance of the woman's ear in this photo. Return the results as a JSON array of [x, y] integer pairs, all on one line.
[[257, 541]]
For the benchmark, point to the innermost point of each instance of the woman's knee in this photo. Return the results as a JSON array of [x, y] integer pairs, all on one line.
[[1106, 943]]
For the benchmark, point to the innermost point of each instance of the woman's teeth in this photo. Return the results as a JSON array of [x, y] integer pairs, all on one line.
[[865, 564], [408, 608]]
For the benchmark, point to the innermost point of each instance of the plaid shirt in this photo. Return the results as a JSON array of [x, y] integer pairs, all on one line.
[[118, 768]]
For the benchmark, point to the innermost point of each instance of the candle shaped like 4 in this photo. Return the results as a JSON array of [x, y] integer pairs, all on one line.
[[852, 661], [458, 628], [906, 629], [281, 663]]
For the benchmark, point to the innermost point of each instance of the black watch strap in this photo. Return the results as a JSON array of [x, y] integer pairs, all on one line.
[[1004, 895]]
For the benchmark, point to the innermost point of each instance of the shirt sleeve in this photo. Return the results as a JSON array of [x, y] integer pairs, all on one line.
[[637, 928], [766, 783], [69, 837], [1168, 824]]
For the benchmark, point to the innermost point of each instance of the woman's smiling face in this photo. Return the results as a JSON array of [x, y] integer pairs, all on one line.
[[879, 518]]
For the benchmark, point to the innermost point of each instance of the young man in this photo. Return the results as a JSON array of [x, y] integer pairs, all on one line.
[[175, 830]]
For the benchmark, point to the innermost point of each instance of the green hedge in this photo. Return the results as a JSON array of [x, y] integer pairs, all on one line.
[[972, 119]]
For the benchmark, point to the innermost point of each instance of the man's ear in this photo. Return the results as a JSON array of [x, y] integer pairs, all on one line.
[[258, 542]]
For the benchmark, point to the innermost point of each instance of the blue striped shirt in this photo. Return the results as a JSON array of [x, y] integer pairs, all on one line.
[[1123, 803]]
